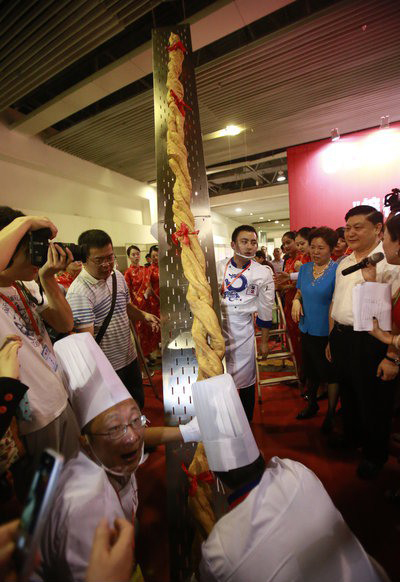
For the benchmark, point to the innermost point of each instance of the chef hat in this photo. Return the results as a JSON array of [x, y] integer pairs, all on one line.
[[92, 383], [225, 430]]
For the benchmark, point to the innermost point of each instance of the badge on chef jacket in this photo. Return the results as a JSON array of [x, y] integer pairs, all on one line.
[[252, 289]]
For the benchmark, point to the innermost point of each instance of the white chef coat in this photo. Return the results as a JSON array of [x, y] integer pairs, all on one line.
[[253, 291], [342, 308], [286, 530], [84, 495]]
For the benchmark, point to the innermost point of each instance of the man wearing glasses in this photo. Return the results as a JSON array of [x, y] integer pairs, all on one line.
[[90, 298]]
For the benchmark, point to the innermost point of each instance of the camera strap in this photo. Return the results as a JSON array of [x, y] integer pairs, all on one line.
[[107, 320], [27, 309]]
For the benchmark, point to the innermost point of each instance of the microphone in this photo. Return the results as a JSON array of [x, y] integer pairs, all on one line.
[[368, 261]]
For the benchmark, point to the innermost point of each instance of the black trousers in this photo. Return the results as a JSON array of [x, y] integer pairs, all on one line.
[[367, 401], [248, 398], [316, 367], [131, 376]]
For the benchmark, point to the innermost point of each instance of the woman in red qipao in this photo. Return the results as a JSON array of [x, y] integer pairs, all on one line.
[[137, 278], [153, 292]]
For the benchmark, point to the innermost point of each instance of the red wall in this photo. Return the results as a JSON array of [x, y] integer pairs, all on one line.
[[328, 178]]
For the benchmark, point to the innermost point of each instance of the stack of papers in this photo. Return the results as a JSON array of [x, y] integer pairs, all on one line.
[[372, 300]]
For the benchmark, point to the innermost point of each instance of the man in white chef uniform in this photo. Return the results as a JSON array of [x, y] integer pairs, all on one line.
[[282, 525], [246, 287], [100, 481]]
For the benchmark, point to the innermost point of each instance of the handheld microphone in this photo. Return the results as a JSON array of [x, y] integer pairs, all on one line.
[[368, 261]]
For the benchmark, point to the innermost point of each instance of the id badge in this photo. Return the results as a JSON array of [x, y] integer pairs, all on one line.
[[50, 358]]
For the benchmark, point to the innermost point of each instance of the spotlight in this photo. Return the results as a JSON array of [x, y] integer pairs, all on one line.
[[276, 221], [281, 176], [335, 135], [261, 218], [238, 209], [251, 214], [385, 122]]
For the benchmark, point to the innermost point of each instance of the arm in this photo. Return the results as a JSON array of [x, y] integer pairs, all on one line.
[[266, 301], [136, 314], [11, 234], [58, 313], [297, 307], [160, 435], [9, 381], [82, 309], [331, 324]]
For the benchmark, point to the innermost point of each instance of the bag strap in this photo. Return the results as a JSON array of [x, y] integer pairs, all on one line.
[[107, 320]]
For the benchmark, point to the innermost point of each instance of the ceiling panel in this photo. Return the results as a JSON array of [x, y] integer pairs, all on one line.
[[337, 68]]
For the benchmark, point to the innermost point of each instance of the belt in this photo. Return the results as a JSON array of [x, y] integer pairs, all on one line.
[[343, 328]]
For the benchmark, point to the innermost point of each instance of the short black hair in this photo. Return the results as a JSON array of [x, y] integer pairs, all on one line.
[[148, 256], [290, 234], [245, 227], [153, 248], [261, 254], [371, 213], [236, 478], [7, 215], [304, 232], [393, 227], [94, 239], [327, 234], [340, 232], [128, 250]]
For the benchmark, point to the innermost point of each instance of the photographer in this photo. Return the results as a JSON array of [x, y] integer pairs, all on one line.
[[45, 418]]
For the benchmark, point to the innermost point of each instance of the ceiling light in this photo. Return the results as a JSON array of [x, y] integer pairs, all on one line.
[[385, 122], [261, 218], [269, 220], [232, 130], [276, 221], [281, 176], [238, 209], [251, 214], [282, 225], [335, 135]]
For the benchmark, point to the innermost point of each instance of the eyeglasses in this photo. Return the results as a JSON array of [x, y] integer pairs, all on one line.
[[101, 260], [119, 431]]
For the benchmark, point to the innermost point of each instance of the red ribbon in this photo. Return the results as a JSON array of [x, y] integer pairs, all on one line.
[[205, 477], [178, 45], [180, 103], [184, 232]]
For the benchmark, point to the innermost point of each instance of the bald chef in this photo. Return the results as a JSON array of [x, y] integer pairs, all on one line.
[[246, 287], [282, 525]]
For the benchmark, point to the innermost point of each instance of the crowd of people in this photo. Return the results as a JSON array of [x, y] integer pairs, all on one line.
[[82, 395]]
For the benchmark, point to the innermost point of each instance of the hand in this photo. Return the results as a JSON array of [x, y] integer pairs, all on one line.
[[297, 310], [387, 370], [7, 547], [37, 222], [112, 558], [57, 260], [153, 321], [328, 354], [369, 273], [9, 363], [384, 336], [298, 265], [281, 278]]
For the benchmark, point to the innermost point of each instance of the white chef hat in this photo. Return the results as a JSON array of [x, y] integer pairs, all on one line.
[[92, 383], [226, 433]]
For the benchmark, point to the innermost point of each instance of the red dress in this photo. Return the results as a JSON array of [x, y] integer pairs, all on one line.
[[293, 265], [138, 281], [154, 285]]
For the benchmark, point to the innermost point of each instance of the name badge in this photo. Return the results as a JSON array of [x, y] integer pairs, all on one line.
[[50, 358], [252, 289]]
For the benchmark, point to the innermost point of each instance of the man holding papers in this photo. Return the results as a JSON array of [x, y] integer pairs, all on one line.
[[365, 367]]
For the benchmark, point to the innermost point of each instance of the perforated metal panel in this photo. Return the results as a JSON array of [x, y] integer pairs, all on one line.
[[178, 356]]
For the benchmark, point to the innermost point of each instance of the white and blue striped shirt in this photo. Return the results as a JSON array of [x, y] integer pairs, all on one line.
[[90, 301]]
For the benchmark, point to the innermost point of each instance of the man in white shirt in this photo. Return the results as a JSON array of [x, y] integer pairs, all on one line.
[[90, 298], [45, 418], [278, 261], [282, 525], [366, 367], [246, 287]]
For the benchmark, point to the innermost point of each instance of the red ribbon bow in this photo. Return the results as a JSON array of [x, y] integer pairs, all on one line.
[[184, 232], [205, 477], [180, 103], [177, 45]]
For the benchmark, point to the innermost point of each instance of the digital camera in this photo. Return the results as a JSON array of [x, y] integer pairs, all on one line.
[[39, 244]]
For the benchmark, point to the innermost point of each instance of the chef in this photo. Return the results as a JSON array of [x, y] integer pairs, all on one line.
[[282, 524], [246, 287], [100, 481]]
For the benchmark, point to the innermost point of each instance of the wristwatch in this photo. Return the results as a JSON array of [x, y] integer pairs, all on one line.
[[393, 360]]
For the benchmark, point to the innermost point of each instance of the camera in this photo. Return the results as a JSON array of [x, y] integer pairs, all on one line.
[[393, 200], [39, 244]]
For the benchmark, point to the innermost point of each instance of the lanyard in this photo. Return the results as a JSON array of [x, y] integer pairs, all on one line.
[[223, 288], [27, 309]]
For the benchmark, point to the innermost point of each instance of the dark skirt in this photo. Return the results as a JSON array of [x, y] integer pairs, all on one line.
[[315, 365]]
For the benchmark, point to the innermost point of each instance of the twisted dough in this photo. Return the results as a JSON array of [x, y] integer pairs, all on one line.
[[206, 331]]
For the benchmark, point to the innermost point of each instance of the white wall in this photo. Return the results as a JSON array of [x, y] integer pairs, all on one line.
[[75, 194]]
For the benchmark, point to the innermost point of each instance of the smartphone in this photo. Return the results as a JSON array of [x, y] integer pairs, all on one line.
[[36, 511]]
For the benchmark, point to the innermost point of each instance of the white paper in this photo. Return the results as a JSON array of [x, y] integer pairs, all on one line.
[[372, 300]]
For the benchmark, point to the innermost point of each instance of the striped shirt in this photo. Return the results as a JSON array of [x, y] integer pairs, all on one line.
[[90, 301]]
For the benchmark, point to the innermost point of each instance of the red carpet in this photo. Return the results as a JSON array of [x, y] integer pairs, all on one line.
[[375, 522]]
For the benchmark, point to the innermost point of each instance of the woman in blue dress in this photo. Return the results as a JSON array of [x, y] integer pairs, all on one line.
[[311, 304]]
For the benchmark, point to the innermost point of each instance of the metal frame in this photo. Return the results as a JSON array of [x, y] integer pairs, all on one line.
[[179, 362]]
